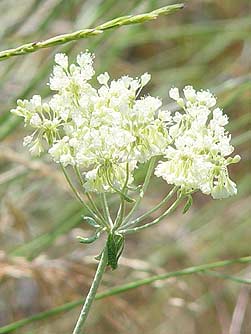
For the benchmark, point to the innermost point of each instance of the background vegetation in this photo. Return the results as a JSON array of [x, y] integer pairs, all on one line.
[[42, 266]]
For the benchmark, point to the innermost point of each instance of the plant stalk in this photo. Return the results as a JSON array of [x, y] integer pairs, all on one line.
[[92, 293], [92, 203], [143, 190], [78, 196], [146, 214], [155, 221], [106, 210], [85, 33]]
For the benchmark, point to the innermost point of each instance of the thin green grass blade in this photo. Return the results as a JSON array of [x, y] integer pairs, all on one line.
[[204, 268], [85, 33]]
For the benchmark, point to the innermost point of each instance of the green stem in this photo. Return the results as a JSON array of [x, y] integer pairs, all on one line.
[[77, 171], [229, 277], [204, 269], [94, 206], [106, 210], [92, 293], [118, 191], [120, 214], [164, 200], [121, 211], [86, 206], [143, 190], [92, 203], [74, 36], [155, 221]]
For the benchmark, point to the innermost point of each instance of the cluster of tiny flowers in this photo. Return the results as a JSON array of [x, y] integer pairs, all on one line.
[[105, 132], [197, 157]]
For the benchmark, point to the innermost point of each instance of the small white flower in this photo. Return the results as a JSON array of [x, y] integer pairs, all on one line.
[[166, 116], [36, 100], [35, 120], [62, 60], [218, 118], [85, 59], [103, 78], [205, 97], [223, 187], [67, 159], [174, 93], [59, 79], [145, 78], [73, 142], [27, 140], [36, 149], [190, 93]]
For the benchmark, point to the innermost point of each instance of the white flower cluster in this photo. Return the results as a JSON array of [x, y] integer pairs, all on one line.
[[196, 159], [105, 132]]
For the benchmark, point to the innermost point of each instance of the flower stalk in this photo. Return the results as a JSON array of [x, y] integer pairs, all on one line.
[[170, 210], [155, 208], [92, 293], [77, 194], [143, 190]]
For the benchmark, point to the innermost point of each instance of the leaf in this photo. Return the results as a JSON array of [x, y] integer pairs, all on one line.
[[188, 204], [90, 221], [115, 246], [90, 239]]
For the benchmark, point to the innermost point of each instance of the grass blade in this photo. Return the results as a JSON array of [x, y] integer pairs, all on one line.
[[204, 268], [85, 33]]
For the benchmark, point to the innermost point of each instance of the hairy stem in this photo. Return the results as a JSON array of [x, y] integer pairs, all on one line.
[[92, 293]]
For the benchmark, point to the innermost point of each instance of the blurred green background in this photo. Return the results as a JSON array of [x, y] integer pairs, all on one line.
[[208, 45]]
